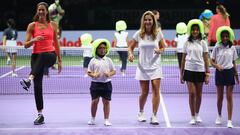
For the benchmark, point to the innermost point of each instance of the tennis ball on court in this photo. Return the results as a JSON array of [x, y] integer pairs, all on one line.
[[181, 28], [224, 28], [86, 39], [121, 25]]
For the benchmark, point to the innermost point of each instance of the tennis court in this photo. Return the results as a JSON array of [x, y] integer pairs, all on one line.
[[67, 101]]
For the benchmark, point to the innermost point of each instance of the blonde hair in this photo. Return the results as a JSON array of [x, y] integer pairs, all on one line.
[[154, 30], [223, 11]]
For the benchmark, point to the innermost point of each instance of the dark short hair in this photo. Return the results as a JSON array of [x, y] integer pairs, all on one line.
[[11, 23]]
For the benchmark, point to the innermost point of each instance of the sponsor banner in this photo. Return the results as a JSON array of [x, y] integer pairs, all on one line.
[[72, 38]]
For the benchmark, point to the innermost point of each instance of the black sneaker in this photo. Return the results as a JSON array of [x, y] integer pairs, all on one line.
[[25, 84], [39, 120]]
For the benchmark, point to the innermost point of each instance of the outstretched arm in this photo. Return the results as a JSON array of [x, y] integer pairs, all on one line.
[[132, 45]]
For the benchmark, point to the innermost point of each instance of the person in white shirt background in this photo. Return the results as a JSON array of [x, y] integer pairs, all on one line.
[[86, 40], [121, 41], [180, 39]]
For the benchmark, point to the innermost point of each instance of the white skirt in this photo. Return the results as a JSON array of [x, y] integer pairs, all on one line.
[[11, 46], [148, 74]]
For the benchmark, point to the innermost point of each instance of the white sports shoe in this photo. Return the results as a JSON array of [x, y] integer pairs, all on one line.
[[218, 120], [107, 123], [91, 121], [154, 120], [8, 61], [14, 75], [192, 121], [141, 117], [229, 124], [198, 119]]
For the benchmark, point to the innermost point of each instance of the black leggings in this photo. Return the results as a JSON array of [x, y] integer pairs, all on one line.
[[123, 57], [179, 57], [38, 62]]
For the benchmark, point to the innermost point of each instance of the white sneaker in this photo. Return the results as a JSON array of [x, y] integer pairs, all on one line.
[[192, 121], [91, 122], [229, 124], [198, 119], [107, 123], [8, 61], [141, 117], [218, 120], [14, 75], [154, 120]]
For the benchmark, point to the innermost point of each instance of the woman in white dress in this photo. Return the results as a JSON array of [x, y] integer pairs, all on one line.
[[150, 42]]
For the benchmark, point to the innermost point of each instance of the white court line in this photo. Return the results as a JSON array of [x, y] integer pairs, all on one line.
[[112, 127], [165, 114], [8, 73]]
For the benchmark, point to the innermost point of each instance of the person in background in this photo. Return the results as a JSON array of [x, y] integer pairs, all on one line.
[[86, 40], [221, 18], [157, 16], [101, 69], [223, 58], [180, 39], [194, 68], [205, 18], [121, 41], [56, 14], [10, 35], [150, 42], [42, 35]]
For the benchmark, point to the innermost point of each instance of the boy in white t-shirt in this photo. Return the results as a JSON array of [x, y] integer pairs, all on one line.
[[101, 69]]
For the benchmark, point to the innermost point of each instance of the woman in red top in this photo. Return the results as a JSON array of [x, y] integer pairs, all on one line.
[[221, 18], [42, 35]]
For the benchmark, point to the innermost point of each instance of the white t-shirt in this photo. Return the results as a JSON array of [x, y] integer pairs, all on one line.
[[101, 65], [194, 57], [121, 39], [87, 52], [224, 56], [181, 39]]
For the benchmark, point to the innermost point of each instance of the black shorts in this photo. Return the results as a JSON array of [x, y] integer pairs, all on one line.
[[225, 77], [86, 61], [99, 89], [195, 77]]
